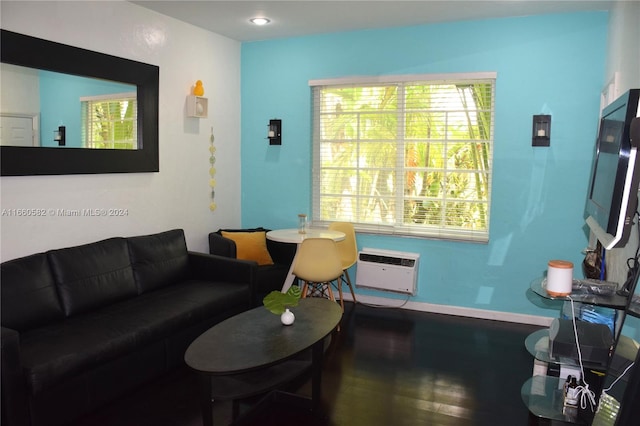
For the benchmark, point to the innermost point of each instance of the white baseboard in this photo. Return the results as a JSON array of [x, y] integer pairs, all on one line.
[[452, 310]]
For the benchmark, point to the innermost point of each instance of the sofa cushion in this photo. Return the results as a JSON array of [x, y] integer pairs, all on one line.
[[29, 297], [159, 260], [250, 246], [92, 275], [280, 252], [62, 350]]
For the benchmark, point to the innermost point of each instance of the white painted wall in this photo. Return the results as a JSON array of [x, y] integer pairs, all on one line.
[[623, 59], [20, 90], [177, 196], [623, 45]]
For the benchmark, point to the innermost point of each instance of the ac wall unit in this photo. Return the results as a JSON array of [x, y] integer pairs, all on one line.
[[387, 270]]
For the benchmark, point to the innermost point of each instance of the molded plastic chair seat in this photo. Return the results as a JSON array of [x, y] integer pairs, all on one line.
[[318, 264], [348, 250]]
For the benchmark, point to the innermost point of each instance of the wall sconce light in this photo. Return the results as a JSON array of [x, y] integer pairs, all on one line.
[[275, 132], [541, 130], [60, 136]]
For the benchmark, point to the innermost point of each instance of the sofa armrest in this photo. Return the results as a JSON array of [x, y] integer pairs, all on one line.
[[221, 246], [212, 267], [14, 391], [219, 268]]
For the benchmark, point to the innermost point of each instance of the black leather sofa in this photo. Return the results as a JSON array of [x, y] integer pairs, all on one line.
[[266, 277], [83, 325]]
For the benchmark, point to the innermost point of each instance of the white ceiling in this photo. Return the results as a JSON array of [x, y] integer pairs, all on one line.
[[306, 17]]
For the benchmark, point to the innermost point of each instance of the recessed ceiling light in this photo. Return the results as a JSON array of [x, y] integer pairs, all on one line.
[[259, 21]]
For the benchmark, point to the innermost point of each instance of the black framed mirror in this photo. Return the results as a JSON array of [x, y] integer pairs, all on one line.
[[38, 54]]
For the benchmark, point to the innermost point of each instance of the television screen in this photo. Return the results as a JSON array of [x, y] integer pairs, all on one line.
[[612, 198]]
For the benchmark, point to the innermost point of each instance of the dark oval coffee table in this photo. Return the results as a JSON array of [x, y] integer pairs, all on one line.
[[253, 353]]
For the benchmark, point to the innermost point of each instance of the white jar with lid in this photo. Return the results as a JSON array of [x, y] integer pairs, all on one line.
[[559, 278]]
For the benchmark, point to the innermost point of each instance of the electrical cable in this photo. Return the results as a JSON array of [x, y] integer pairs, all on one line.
[[619, 377], [371, 305], [605, 396], [585, 394], [634, 268], [603, 266]]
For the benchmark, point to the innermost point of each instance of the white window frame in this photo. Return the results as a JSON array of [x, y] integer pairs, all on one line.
[[404, 229], [87, 101]]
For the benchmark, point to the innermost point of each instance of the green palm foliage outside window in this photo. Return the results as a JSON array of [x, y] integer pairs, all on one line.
[[406, 157], [110, 122]]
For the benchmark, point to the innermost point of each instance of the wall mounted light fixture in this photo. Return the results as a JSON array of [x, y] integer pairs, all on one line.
[[541, 130], [60, 136], [275, 132]]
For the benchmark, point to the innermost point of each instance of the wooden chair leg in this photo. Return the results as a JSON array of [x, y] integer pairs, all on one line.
[[305, 288], [330, 292], [340, 293]]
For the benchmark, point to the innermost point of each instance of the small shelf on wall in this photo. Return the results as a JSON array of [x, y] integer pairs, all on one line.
[[197, 106]]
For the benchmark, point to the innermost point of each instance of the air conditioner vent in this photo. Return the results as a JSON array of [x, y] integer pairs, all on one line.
[[367, 257]]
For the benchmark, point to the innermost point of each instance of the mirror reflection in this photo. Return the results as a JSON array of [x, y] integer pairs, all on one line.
[[41, 108], [96, 106]]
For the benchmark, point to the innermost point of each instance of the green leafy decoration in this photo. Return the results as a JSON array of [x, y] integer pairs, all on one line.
[[276, 302]]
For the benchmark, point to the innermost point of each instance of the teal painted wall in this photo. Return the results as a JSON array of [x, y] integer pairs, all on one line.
[[60, 103], [545, 64]]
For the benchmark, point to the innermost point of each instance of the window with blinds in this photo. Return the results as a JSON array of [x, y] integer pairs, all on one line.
[[409, 155], [110, 121]]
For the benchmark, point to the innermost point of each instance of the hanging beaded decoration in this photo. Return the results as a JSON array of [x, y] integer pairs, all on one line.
[[212, 172]]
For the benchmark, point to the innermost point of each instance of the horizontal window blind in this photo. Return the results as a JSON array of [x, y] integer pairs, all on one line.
[[110, 121], [408, 157]]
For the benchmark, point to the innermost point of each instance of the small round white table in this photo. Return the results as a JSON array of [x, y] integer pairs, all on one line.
[[294, 237]]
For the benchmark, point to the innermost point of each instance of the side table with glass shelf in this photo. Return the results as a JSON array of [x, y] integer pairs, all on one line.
[[543, 394]]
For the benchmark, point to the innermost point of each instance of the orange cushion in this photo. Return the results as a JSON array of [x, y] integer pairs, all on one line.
[[250, 246]]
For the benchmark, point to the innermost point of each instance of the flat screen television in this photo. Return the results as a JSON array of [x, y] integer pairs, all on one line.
[[613, 190]]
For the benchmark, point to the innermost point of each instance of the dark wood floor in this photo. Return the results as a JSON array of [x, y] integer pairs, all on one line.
[[385, 367]]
